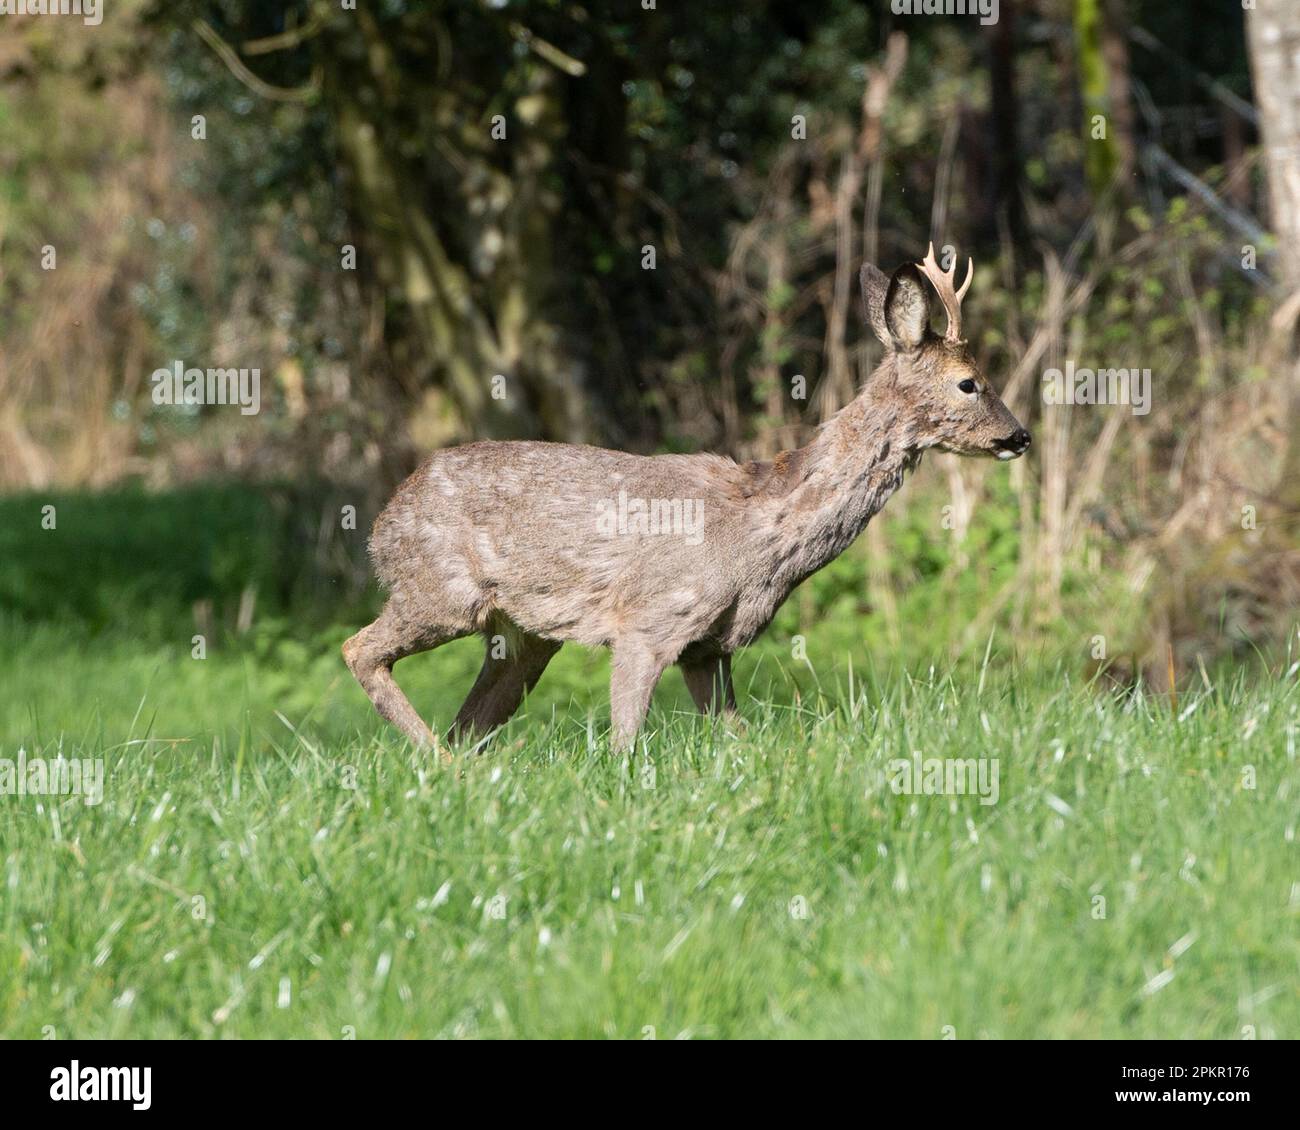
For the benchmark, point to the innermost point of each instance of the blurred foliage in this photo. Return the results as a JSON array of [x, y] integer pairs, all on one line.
[[668, 137], [626, 128], [151, 564], [203, 215]]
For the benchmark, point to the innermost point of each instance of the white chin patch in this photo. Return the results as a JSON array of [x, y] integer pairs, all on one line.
[[1005, 455]]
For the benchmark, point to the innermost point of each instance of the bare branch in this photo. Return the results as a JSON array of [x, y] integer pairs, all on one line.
[[235, 65], [286, 39], [548, 51]]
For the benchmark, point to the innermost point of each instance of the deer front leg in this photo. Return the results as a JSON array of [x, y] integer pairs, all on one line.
[[709, 682], [635, 672]]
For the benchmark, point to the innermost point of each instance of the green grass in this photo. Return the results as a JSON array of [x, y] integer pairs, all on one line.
[[549, 889], [270, 860]]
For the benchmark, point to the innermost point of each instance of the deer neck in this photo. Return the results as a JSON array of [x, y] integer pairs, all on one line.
[[821, 497]]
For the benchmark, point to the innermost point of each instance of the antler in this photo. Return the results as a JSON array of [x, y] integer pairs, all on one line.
[[945, 283]]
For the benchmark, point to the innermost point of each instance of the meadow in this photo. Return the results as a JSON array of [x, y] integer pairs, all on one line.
[[269, 860]]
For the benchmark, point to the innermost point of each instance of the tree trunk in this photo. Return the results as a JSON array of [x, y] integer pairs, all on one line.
[[1007, 210], [1273, 33], [467, 266], [1099, 154], [1114, 49], [1100, 30], [1273, 30]]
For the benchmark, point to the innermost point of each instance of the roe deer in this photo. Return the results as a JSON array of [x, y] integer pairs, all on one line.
[[514, 539]]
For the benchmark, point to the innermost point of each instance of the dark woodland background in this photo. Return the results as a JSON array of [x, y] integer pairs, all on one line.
[[669, 131]]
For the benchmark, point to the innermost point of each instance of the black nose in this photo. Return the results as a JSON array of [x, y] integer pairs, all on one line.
[[1018, 441]]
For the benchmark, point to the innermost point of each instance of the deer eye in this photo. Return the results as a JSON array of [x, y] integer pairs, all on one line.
[[967, 385]]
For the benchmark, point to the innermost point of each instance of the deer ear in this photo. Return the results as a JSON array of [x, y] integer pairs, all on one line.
[[907, 309], [875, 285]]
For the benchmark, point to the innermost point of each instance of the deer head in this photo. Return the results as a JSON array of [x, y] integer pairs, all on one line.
[[953, 407]]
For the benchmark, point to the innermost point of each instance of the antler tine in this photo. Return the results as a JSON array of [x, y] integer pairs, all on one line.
[[945, 283], [970, 274]]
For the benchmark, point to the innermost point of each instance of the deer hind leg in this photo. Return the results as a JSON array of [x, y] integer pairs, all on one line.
[[502, 683], [709, 681], [370, 656]]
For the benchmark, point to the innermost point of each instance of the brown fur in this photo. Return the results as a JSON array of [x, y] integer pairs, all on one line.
[[504, 539]]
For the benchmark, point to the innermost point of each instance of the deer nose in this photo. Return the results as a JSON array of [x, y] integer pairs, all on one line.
[[1017, 443]]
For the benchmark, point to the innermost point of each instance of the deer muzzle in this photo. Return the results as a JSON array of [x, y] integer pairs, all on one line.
[[1014, 445]]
